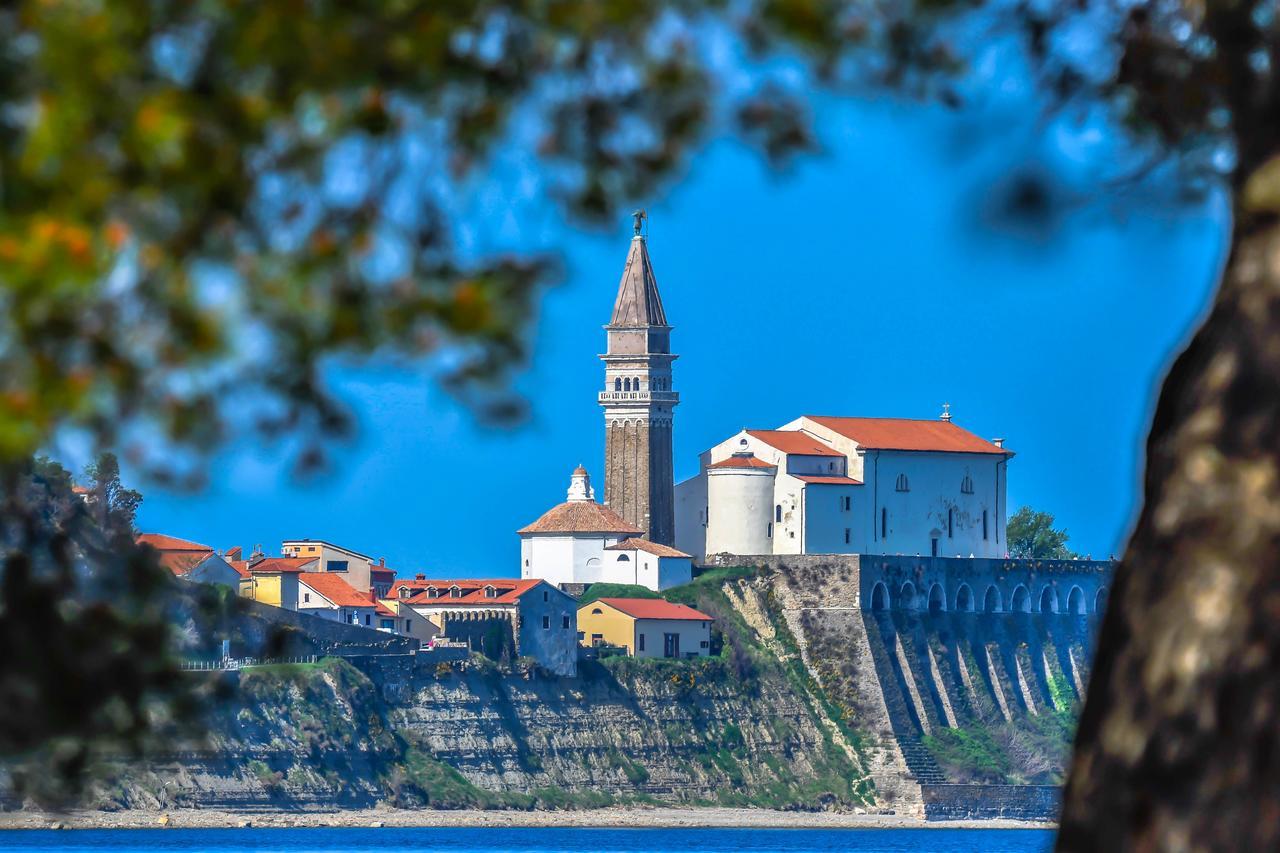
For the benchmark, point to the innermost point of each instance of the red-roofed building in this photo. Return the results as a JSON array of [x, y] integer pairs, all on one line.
[[330, 596], [645, 627], [516, 617], [190, 560], [846, 485], [574, 543]]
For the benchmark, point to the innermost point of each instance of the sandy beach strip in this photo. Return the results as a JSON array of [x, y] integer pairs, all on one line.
[[640, 818]]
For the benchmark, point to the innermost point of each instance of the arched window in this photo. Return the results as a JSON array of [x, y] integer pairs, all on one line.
[[626, 384], [1048, 600], [902, 485], [1075, 601], [635, 384], [596, 611], [405, 592], [964, 599], [937, 599], [617, 384], [777, 513], [966, 485], [623, 558], [432, 592], [880, 597], [455, 592], [907, 596], [993, 602], [1021, 600], [490, 592]]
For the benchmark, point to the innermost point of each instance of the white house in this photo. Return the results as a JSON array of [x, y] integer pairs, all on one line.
[[582, 542], [836, 485]]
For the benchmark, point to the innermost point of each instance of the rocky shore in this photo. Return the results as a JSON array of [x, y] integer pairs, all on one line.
[[378, 818]]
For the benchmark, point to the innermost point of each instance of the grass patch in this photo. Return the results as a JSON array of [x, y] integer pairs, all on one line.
[[615, 590]]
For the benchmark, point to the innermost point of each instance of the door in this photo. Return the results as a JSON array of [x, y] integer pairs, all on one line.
[[671, 645], [934, 546]]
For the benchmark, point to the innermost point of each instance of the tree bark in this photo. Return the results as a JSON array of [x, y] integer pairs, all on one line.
[[1179, 743]]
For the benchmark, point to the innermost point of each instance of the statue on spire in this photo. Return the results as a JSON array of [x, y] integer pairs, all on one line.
[[639, 217]]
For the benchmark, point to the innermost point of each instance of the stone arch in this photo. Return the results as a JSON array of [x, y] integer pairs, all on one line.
[[937, 599], [907, 596], [1075, 601], [1021, 601], [964, 599], [993, 601], [880, 596], [1100, 600], [1048, 600]]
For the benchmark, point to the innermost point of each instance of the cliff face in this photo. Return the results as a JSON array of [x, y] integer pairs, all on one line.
[[812, 703]]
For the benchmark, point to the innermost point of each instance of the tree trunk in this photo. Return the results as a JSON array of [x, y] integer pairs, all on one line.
[[1179, 743]]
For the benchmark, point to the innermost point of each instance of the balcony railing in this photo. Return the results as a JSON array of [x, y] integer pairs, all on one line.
[[639, 396]]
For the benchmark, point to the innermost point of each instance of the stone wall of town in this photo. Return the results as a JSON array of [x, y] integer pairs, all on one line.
[[992, 802]]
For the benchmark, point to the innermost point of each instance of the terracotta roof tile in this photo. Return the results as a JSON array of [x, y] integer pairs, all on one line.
[[909, 434], [793, 441], [637, 544], [281, 564], [653, 608], [737, 461], [161, 542], [580, 517], [508, 591], [336, 590]]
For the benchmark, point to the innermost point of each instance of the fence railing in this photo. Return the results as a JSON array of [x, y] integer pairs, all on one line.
[[231, 664]]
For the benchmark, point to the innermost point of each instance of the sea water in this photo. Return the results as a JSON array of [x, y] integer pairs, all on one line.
[[541, 840]]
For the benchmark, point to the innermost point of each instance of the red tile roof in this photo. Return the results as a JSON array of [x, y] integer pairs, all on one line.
[[281, 564], [241, 566], [736, 461], [653, 608], [336, 590], [793, 441], [580, 517], [161, 542], [833, 481], [909, 434], [637, 544], [509, 591]]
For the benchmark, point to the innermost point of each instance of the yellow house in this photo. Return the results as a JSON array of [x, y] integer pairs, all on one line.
[[274, 581], [645, 627]]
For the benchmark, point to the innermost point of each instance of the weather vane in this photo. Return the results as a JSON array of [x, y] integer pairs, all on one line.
[[639, 217]]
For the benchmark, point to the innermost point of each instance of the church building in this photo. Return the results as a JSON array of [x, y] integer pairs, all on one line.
[[841, 485]]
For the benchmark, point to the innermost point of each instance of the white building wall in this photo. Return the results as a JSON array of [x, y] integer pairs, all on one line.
[[827, 521], [691, 516], [740, 507], [934, 506], [567, 558]]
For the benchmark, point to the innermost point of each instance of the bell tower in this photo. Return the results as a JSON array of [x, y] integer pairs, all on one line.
[[638, 400]]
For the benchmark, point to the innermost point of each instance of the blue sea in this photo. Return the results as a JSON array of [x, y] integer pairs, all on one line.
[[541, 840]]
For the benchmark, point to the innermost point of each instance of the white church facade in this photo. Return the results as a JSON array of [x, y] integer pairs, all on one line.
[[843, 485], [583, 542]]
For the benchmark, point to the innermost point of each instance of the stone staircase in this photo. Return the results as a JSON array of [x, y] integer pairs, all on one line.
[[920, 761]]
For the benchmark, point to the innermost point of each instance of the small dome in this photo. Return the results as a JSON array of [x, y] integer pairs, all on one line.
[[579, 471]]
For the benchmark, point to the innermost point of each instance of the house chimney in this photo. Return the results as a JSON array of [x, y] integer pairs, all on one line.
[[233, 554], [382, 562], [998, 442], [258, 553], [420, 577]]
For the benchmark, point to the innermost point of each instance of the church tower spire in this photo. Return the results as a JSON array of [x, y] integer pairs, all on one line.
[[638, 401]]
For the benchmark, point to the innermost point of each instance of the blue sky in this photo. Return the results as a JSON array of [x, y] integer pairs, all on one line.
[[865, 281]]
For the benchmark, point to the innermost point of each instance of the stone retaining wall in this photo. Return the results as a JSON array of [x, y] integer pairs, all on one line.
[[990, 802]]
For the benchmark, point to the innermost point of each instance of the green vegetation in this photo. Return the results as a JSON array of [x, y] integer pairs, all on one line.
[[615, 590], [969, 754], [1032, 534]]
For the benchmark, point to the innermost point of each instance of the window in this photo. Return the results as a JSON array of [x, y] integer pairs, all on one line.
[[617, 384], [455, 592], [564, 621], [704, 644], [581, 636], [846, 536], [546, 596], [367, 619], [596, 611], [623, 558], [546, 623], [951, 526], [306, 597], [884, 522], [335, 566], [432, 592], [846, 503], [526, 564], [777, 513], [769, 533], [626, 384], [389, 624], [408, 626], [984, 524], [902, 485], [490, 592], [639, 642], [966, 485], [831, 466]]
